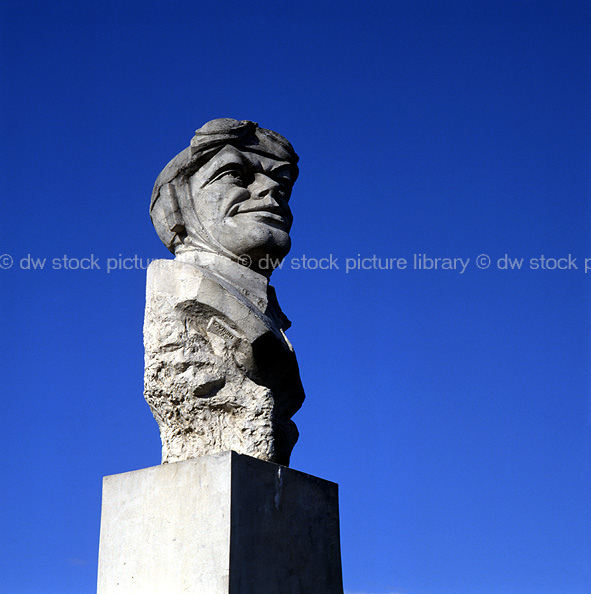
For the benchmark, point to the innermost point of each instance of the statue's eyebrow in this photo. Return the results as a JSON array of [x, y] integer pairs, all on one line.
[[219, 164], [282, 170]]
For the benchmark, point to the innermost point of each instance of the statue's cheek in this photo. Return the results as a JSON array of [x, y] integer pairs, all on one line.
[[237, 194]]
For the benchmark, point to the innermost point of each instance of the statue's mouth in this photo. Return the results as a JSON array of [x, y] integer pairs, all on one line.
[[240, 208], [269, 218], [271, 215]]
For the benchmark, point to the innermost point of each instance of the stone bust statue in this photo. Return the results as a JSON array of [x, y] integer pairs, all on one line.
[[220, 373]]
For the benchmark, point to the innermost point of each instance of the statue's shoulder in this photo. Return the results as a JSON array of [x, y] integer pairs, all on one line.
[[187, 287], [179, 279], [168, 269]]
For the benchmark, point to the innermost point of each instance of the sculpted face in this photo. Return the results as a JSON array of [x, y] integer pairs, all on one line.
[[241, 199]]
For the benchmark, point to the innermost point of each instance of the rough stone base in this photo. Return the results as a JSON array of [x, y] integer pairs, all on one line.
[[221, 524]]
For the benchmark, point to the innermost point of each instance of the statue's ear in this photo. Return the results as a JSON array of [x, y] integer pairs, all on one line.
[[172, 211], [167, 217]]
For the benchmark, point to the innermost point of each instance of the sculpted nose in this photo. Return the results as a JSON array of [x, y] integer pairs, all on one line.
[[264, 187]]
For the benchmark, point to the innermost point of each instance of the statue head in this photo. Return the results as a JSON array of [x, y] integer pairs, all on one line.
[[228, 193]]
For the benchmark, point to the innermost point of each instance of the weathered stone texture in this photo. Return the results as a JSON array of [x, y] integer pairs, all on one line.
[[213, 385]]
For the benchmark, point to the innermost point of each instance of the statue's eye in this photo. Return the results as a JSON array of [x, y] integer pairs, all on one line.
[[284, 187], [229, 175]]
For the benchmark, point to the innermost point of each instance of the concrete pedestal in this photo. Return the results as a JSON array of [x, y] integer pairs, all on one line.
[[223, 524]]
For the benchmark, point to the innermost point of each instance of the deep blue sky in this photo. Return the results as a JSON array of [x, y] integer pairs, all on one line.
[[453, 409]]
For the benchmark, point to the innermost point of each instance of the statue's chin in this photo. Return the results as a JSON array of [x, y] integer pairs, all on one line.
[[266, 258], [265, 246]]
